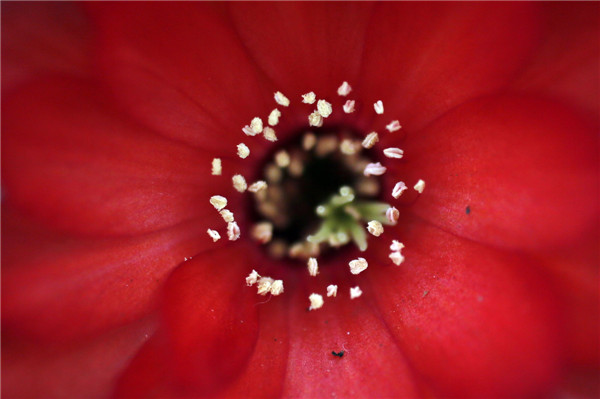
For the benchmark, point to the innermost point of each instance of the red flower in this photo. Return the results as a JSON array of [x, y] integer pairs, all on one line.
[[111, 117]]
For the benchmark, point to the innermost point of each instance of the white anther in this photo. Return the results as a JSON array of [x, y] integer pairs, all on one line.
[[393, 152], [355, 292], [281, 99], [370, 140], [375, 227], [269, 134], [262, 232], [396, 257], [378, 107], [358, 265], [227, 215], [398, 189], [233, 231], [274, 117], [239, 183], [276, 287], [420, 186], [257, 186], [264, 285], [216, 167], [392, 214], [396, 246], [349, 106], [374, 169], [332, 290], [282, 159], [214, 235], [313, 266], [324, 108], [218, 201], [316, 301], [308, 141], [315, 119], [393, 126], [252, 278], [243, 151], [256, 125], [309, 98], [350, 147], [344, 89]]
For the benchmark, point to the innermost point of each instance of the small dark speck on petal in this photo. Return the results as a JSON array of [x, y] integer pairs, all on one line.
[[338, 354], [468, 210]]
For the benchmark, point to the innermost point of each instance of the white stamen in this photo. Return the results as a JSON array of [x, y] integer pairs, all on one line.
[[281, 99], [256, 125], [227, 215], [358, 265], [350, 147], [248, 131], [218, 201], [393, 152], [397, 258], [396, 245], [313, 266], [393, 126], [277, 287], [374, 169], [309, 98], [344, 89], [262, 232], [355, 292], [332, 290], [252, 278], [308, 141], [257, 186], [282, 159], [239, 183], [216, 167], [324, 108], [316, 301], [264, 285], [378, 107], [214, 235], [370, 140], [392, 214], [233, 231], [269, 134], [398, 189], [375, 227], [420, 186], [349, 106], [243, 151], [315, 119], [274, 117]]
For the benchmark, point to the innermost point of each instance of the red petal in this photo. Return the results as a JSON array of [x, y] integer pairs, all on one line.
[[566, 63], [527, 170], [190, 79], [422, 59], [78, 370], [58, 287], [472, 321], [71, 161], [41, 38], [209, 328]]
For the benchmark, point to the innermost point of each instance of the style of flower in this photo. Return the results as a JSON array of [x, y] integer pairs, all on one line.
[[112, 117]]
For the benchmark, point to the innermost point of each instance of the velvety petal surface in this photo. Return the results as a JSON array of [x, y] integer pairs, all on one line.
[[525, 168], [98, 172], [472, 321]]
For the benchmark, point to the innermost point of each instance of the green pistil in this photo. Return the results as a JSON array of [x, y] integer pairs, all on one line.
[[345, 217]]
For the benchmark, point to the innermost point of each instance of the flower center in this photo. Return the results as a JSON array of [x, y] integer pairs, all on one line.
[[317, 195]]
